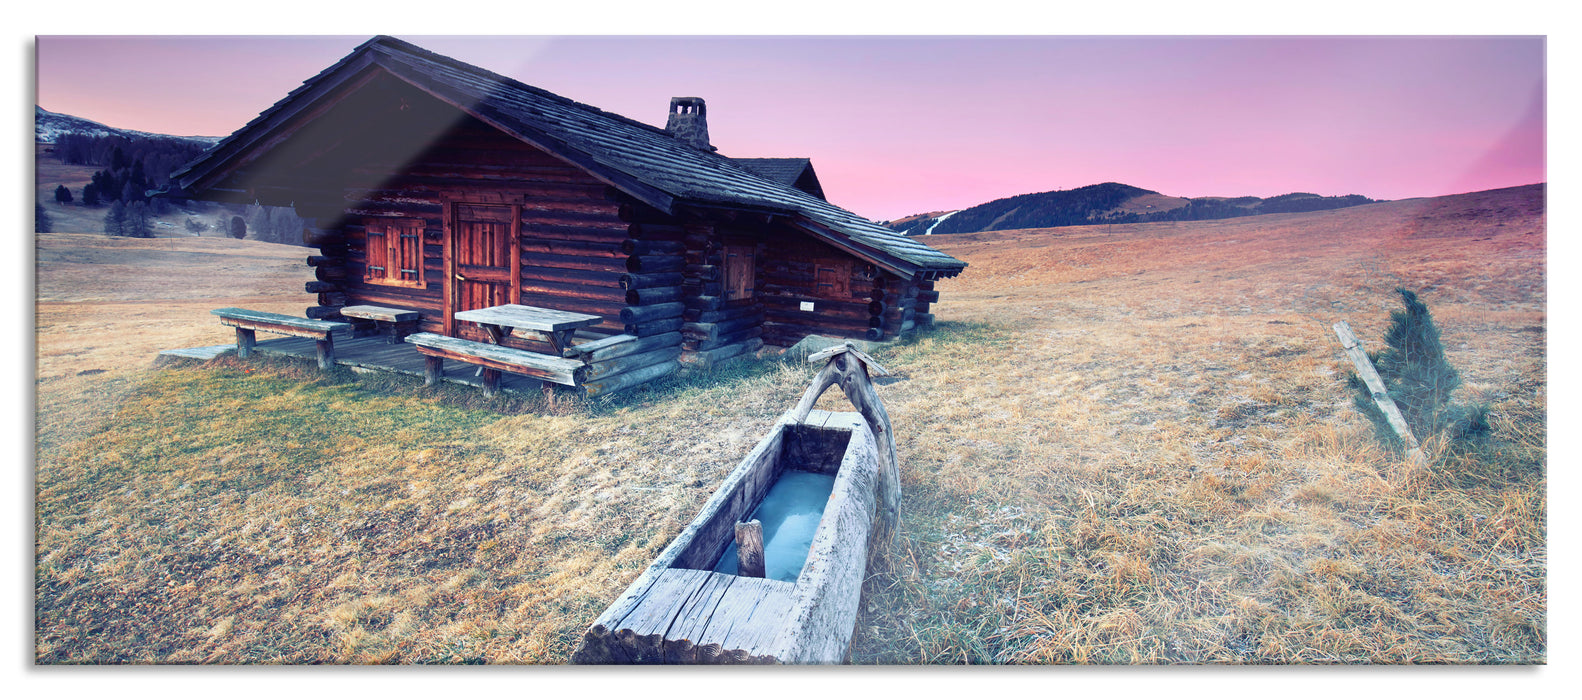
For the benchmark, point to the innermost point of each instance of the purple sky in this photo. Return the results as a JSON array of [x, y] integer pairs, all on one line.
[[901, 125]]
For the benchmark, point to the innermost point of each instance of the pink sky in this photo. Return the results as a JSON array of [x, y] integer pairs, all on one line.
[[901, 125]]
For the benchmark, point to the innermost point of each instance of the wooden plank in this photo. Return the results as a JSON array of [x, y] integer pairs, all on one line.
[[692, 624], [1375, 384], [736, 496], [539, 366], [757, 611], [267, 320], [380, 313], [641, 631], [292, 330]]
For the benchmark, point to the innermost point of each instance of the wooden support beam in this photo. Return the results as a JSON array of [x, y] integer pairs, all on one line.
[[324, 348], [246, 338], [433, 369]]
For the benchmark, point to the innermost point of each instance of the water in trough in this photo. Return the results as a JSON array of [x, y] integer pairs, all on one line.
[[789, 513]]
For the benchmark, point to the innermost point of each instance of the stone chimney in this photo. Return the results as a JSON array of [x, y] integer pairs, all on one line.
[[688, 122]]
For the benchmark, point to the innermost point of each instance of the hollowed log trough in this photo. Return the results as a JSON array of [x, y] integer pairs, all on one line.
[[681, 611]]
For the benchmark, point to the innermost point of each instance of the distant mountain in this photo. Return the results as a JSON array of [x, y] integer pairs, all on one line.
[[1107, 203], [49, 126]]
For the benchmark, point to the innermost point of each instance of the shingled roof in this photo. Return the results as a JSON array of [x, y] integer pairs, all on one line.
[[643, 161]]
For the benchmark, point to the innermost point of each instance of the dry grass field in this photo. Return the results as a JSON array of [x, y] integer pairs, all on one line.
[[1122, 445]]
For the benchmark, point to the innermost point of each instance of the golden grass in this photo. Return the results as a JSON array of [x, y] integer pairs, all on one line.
[[1125, 445]]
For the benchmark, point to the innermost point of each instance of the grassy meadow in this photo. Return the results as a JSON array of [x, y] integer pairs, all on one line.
[[1121, 445]]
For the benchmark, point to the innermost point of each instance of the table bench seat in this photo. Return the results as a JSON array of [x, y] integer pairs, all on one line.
[[247, 322], [493, 359], [394, 324]]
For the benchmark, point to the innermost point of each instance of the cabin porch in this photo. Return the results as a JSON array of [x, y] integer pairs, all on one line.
[[610, 366], [374, 354]]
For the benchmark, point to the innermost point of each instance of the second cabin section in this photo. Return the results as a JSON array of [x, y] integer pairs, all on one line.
[[437, 187]]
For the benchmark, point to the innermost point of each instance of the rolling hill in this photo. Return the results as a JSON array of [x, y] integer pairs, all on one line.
[[49, 126], [1108, 203]]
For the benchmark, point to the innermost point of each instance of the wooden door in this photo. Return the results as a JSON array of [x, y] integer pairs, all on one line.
[[485, 259], [739, 272], [833, 279]]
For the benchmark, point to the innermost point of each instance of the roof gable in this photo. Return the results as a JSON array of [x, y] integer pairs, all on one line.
[[641, 160], [795, 172]]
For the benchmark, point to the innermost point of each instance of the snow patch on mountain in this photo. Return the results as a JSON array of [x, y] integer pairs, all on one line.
[[938, 221], [49, 126]]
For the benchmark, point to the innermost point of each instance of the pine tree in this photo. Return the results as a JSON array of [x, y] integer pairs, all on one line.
[[1417, 377], [62, 195], [137, 223], [115, 219]]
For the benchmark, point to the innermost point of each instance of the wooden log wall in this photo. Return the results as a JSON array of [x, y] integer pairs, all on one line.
[[900, 298], [715, 329], [577, 250], [856, 306], [571, 231]]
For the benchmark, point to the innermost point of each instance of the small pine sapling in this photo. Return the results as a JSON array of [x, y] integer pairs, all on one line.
[[1418, 378]]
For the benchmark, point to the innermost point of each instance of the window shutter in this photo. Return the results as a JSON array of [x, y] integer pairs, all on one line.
[[378, 267], [394, 252]]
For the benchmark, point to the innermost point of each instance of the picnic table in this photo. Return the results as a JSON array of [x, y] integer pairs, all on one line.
[[558, 326]]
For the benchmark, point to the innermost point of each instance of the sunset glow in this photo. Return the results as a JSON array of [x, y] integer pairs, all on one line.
[[902, 125]]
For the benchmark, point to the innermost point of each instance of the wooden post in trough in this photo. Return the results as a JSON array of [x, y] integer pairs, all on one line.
[[1381, 395], [750, 549]]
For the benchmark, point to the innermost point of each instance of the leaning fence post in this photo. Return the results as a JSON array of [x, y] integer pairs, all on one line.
[[1381, 395]]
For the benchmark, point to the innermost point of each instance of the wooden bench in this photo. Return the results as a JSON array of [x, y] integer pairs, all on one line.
[[393, 324], [247, 323], [494, 359]]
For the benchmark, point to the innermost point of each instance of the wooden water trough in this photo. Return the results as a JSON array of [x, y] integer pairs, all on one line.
[[696, 605]]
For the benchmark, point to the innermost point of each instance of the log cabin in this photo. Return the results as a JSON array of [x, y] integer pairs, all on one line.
[[439, 187]]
